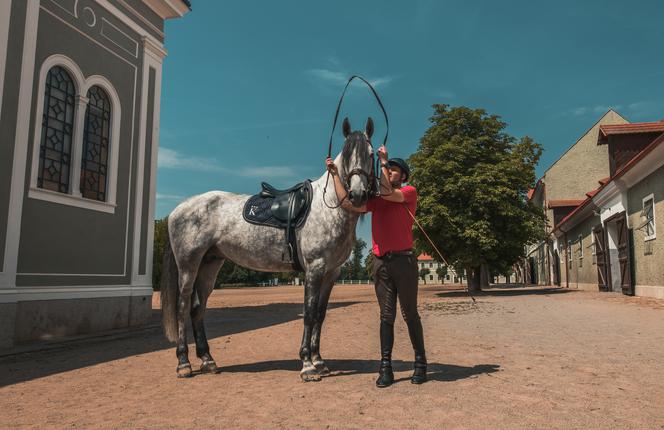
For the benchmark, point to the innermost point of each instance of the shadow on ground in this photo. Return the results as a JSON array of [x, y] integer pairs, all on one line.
[[436, 371], [507, 292], [74, 354]]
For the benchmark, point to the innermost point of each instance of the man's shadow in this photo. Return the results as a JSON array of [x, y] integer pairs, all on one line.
[[435, 371]]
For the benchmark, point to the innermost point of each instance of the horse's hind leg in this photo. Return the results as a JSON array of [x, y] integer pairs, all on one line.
[[187, 278], [207, 274], [325, 291]]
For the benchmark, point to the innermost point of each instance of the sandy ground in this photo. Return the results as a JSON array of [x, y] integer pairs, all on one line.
[[518, 359]]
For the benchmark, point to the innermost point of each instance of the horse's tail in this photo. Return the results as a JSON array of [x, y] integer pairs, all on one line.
[[170, 291]]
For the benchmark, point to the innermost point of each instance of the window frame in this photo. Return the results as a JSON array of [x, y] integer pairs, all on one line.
[[82, 85], [650, 197]]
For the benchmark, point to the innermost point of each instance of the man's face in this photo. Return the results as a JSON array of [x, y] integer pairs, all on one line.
[[396, 176]]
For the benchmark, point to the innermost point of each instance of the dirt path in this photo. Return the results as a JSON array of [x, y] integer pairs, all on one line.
[[527, 358]]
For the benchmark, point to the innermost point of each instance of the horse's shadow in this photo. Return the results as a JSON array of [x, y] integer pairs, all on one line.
[[435, 372]]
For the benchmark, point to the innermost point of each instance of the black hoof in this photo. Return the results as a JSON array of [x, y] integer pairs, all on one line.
[[209, 367], [184, 370], [321, 368], [310, 375]]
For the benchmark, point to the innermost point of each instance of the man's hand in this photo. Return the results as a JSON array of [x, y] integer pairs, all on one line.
[[331, 167], [382, 154]]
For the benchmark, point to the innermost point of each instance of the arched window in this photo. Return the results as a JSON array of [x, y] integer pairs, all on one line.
[[96, 134], [56, 134]]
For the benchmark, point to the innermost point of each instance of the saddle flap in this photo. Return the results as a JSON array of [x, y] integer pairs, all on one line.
[[272, 207]]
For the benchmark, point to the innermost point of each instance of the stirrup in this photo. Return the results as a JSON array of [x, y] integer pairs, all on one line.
[[288, 251]]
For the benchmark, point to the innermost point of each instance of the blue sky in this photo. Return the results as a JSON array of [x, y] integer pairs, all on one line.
[[250, 88]]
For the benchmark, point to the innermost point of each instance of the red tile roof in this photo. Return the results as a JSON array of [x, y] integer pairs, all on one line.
[[564, 203], [624, 169], [530, 193], [634, 128], [424, 257]]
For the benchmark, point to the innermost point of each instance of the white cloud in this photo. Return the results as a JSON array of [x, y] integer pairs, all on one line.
[[176, 197], [445, 94], [340, 77], [172, 159], [267, 172], [328, 76]]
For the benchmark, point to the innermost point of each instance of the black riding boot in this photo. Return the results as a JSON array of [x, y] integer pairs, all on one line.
[[417, 340], [385, 374]]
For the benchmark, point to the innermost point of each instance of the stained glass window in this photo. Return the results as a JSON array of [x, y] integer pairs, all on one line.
[[56, 135], [94, 163]]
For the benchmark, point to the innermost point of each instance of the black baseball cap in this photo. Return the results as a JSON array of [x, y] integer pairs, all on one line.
[[400, 163]]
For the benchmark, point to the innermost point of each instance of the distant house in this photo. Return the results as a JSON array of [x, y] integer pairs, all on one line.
[[560, 190], [425, 261], [609, 241], [80, 86]]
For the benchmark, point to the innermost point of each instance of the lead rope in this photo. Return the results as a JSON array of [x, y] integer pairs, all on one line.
[[435, 247]]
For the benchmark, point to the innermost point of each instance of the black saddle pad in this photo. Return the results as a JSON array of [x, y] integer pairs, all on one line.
[[258, 209]]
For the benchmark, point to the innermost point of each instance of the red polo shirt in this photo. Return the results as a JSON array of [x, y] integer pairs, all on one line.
[[391, 225]]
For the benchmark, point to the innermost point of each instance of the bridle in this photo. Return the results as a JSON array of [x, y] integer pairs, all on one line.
[[372, 177]]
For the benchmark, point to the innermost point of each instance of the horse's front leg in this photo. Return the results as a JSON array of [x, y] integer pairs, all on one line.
[[324, 297], [312, 284]]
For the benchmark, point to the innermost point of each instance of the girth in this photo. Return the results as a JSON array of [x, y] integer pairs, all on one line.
[[285, 209]]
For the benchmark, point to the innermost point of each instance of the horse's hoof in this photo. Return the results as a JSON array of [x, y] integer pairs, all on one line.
[[322, 368], [209, 367], [310, 375], [184, 370]]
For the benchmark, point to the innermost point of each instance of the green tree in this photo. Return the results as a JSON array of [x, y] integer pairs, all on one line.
[[368, 264], [423, 274], [472, 180], [160, 237], [441, 271], [353, 268]]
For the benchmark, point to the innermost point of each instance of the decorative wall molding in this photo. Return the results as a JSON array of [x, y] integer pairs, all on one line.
[[24, 294], [130, 149], [74, 198], [17, 186], [5, 14]]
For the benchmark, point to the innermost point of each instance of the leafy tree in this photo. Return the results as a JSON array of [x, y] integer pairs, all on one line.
[[160, 237], [353, 268], [423, 274], [368, 264], [441, 271], [472, 179]]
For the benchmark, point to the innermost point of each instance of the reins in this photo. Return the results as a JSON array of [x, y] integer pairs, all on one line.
[[376, 171], [334, 126], [434, 246]]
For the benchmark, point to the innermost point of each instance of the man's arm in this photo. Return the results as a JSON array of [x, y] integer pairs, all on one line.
[[386, 191], [340, 190]]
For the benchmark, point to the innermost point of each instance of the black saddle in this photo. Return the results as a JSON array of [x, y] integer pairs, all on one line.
[[285, 209]]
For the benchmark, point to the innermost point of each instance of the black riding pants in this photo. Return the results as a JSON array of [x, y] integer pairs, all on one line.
[[396, 275]]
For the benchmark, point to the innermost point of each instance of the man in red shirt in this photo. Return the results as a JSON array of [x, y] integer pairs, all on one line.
[[395, 266]]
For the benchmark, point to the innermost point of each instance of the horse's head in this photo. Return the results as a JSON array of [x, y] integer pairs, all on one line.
[[357, 163]]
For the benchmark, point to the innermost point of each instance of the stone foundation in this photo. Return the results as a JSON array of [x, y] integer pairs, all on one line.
[[50, 319]]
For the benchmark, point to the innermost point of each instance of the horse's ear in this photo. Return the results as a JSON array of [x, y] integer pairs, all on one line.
[[346, 127], [369, 129]]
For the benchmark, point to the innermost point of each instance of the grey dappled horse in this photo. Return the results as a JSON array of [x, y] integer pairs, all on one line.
[[207, 229]]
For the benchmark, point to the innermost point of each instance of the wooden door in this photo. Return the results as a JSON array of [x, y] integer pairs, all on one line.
[[624, 254], [601, 254]]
